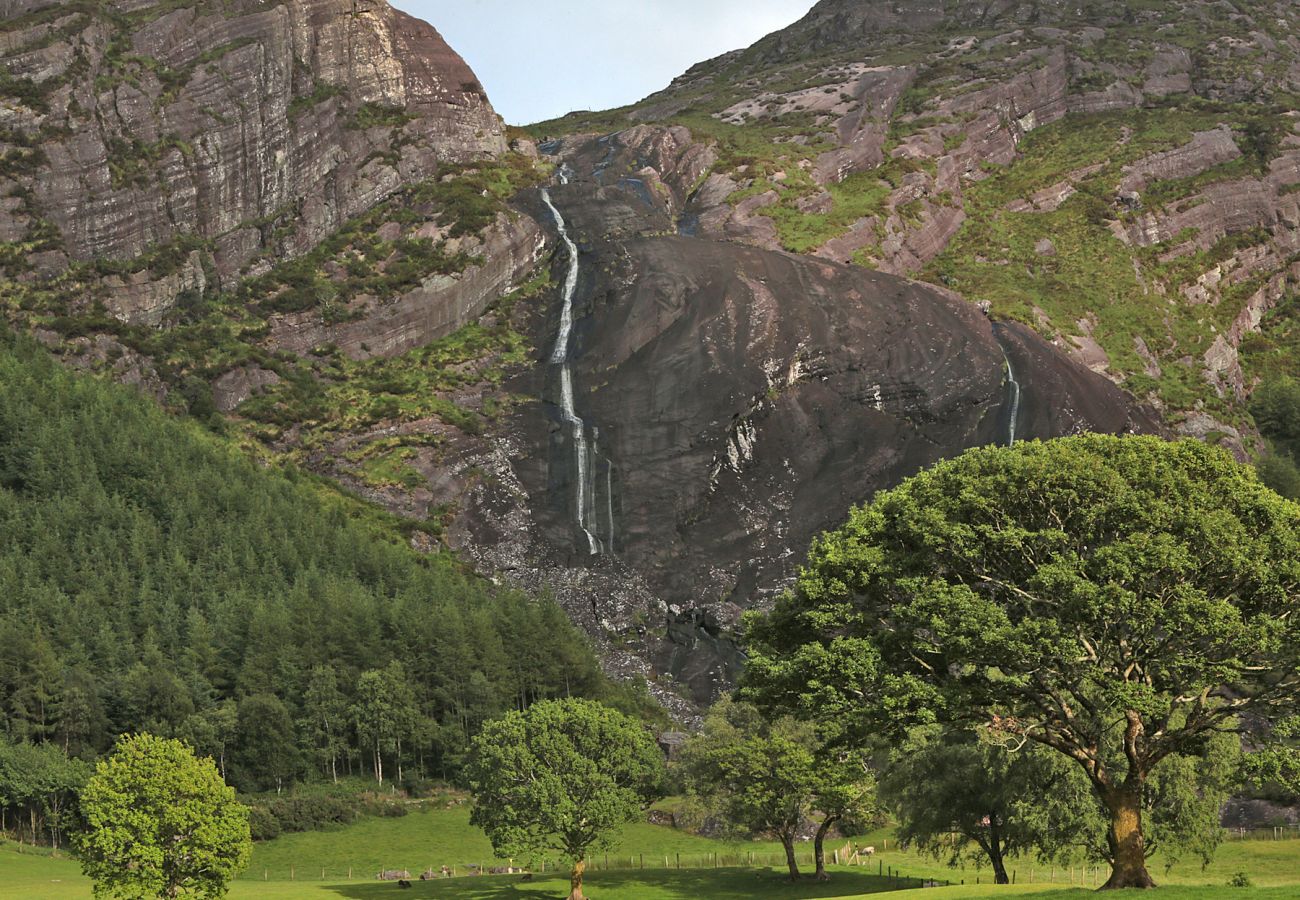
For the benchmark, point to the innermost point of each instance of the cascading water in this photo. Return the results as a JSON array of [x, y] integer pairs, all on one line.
[[560, 357], [1014, 387]]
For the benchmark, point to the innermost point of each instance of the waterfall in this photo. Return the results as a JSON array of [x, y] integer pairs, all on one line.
[[560, 357], [1014, 387]]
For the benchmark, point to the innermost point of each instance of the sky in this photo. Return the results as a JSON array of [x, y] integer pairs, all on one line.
[[539, 59]]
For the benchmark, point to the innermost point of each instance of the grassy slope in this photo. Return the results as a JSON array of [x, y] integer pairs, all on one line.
[[1092, 273]]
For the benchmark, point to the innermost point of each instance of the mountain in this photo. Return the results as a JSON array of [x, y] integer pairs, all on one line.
[[1119, 177], [637, 360]]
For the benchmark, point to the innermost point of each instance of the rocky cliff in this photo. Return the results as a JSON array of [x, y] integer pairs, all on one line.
[[642, 371], [181, 147], [732, 402]]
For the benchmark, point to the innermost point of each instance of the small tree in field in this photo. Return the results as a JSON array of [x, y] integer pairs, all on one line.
[[561, 776], [958, 796], [1120, 601], [769, 776], [161, 823]]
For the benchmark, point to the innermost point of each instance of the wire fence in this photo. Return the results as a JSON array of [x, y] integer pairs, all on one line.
[[1083, 874], [1275, 833], [605, 862]]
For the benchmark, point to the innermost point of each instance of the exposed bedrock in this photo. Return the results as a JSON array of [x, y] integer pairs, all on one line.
[[746, 399], [508, 250], [253, 129]]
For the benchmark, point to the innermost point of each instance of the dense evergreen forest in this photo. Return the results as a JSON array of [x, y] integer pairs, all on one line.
[[154, 577]]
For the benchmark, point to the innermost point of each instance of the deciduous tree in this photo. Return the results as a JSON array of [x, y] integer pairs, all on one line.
[[160, 823], [953, 791], [561, 776], [769, 776], [325, 718], [1119, 600], [267, 750]]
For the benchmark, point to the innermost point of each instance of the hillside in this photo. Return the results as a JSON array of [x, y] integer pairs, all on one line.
[[358, 274], [153, 577]]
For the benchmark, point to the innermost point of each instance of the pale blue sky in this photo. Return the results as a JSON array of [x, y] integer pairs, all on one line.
[[542, 59]]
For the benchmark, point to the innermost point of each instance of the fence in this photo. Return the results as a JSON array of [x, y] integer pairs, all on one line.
[[1276, 833], [1084, 875], [605, 862]]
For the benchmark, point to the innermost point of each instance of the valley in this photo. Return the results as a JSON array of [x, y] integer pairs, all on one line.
[[923, 377]]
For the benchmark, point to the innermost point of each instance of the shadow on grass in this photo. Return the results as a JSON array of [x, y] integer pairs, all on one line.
[[715, 884]]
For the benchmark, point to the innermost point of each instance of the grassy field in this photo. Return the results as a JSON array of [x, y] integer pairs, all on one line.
[[317, 865], [39, 878]]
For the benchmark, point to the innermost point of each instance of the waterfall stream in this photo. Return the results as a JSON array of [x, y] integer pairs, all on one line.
[[1014, 387], [584, 501]]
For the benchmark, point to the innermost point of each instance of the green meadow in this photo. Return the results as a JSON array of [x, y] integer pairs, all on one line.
[[317, 865]]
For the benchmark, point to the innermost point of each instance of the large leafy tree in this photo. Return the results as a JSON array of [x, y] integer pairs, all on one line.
[[959, 793], [769, 776], [561, 776], [1119, 600], [160, 823]]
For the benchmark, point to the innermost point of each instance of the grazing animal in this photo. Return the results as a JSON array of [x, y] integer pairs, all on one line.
[[403, 883], [528, 876], [869, 851]]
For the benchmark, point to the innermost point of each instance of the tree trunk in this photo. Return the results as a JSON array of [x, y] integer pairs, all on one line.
[[995, 853], [379, 765], [787, 841], [819, 852], [334, 766], [1127, 845], [575, 879]]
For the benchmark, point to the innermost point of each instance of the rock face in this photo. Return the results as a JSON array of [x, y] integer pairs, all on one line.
[[734, 399], [737, 402], [508, 249], [241, 130], [876, 132]]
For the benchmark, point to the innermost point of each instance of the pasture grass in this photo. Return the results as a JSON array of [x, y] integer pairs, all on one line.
[[443, 836]]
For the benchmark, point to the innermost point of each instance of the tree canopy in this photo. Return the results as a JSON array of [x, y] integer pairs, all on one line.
[[160, 823], [770, 775], [955, 794], [1119, 600], [562, 776]]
